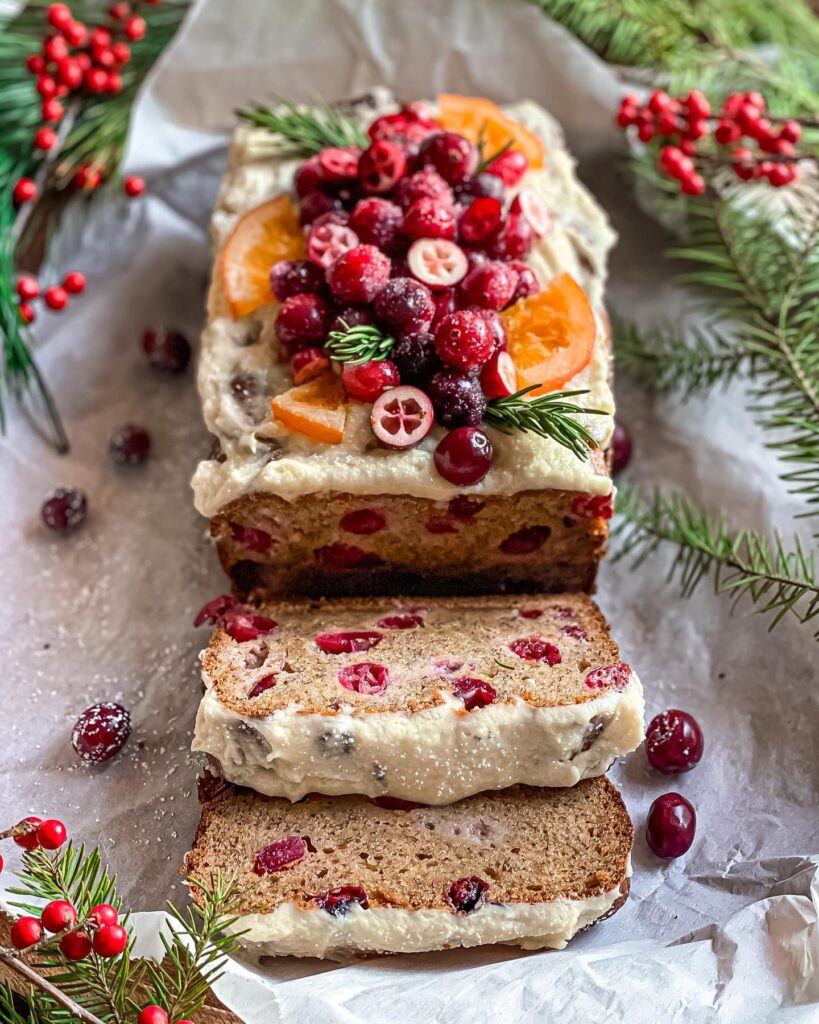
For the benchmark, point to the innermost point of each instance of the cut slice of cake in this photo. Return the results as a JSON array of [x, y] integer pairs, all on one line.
[[429, 701], [345, 876]]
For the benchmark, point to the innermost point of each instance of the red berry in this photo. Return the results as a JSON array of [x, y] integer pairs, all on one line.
[[674, 742], [405, 305], [135, 28], [55, 48], [464, 340], [727, 132], [35, 64], [75, 946], [660, 101], [525, 541], [45, 139], [74, 282], [115, 82], [28, 287], [382, 166], [467, 894], [791, 131], [424, 184], [25, 932], [242, 625], [29, 840], [744, 163], [56, 297], [58, 16], [24, 191], [693, 185], [359, 274], [65, 509], [301, 319], [675, 162], [101, 732], [76, 33], [645, 131], [366, 381], [668, 123], [326, 242], [534, 648], [110, 940], [452, 156], [437, 262], [402, 417], [779, 175], [121, 52], [99, 37], [46, 86], [620, 449], [120, 10], [252, 538], [351, 642], [365, 677], [167, 351], [671, 825], [616, 676], [377, 222], [130, 445], [57, 915], [628, 111], [514, 241], [338, 901], [475, 693], [491, 286], [307, 364], [70, 73], [464, 456], [308, 177], [26, 311], [498, 376], [510, 167], [429, 218], [337, 164], [103, 57], [400, 622], [755, 99], [345, 558], [52, 110], [1, 863], [294, 277], [696, 105], [363, 522], [153, 1015], [531, 205], [457, 399], [95, 79], [104, 913], [134, 185], [51, 834]]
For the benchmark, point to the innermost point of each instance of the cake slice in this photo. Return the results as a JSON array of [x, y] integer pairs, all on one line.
[[345, 876], [429, 701]]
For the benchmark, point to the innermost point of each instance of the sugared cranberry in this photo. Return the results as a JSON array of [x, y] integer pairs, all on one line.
[[415, 357], [51, 834], [352, 316], [452, 156], [381, 166], [424, 184], [402, 417], [437, 262], [429, 218], [498, 376], [282, 854], [400, 622], [292, 277], [262, 685], [482, 185], [509, 167], [314, 204], [405, 305], [338, 163], [25, 932], [446, 302], [589, 506], [674, 742], [65, 509], [514, 241], [130, 445], [359, 274], [251, 537], [101, 732], [462, 506], [464, 456], [340, 900], [110, 940], [326, 242], [467, 894], [463, 340], [620, 449], [671, 825], [363, 521], [457, 399], [366, 381], [308, 177], [530, 205], [301, 319], [242, 625], [365, 677], [526, 540], [57, 915], [307, 364], [481, 219], [475, 693], [377, 222], [528, 281], [342, 557], [350, 642], [167, 350], [534, 648], [617, 676]]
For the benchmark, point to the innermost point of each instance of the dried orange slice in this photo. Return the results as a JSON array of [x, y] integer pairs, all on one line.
[[551, 335], [474, 116], [263, 236], [316, 409]]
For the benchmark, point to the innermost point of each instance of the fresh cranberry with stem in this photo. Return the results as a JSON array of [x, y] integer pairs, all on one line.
[[674, 742], [429, 218], [58, 914], [66, 509], [341, 900], [381, 166], [130, 445], [292, 277], [457, 399], [402, 417], [365, 677], [152, 1014], [349, 642], [101, 732], [377, 222], [359, 274], [301, 319], [467, 894], [464, 456], [464, 340], [405, 305], [364, 382], [453, 157], [670, 826], [167, 350], [104, 913], [437, 262]]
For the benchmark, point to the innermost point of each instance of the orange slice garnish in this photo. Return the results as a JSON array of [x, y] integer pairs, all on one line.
[[551, 335], [474, 117], [316, 409], [263, 236]]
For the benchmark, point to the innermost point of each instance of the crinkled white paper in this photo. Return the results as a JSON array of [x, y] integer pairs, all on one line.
[[729, 933]]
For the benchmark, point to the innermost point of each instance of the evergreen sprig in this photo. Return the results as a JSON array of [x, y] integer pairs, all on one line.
[[777, 581], [359, 344], [551, 416], [307, 129]]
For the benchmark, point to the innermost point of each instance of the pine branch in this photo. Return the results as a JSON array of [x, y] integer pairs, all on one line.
[[777, 581], [307, 129], [360, 344], [547, 416], [14, 1009]]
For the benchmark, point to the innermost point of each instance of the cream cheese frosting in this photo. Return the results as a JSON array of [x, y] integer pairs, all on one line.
[[260, 455], [435, 756]]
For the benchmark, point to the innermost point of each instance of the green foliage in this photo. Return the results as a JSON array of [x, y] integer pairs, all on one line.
[[360, 344], [550, 415], [14, 1009], [307, 129]]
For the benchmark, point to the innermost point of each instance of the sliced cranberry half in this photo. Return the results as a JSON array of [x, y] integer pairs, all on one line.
[[327, 242], [363, 521], [525, 541], [262, 686], [381, 166], [531, 205], [214, 609], [575, 631], [251, 538], [366, 677], [499, 377], [402, 417], [467, 894], [475, 693], [400, 622], [349, 642], [617, 676], [338, 164], [340, 557], [437, 262], [534, 648], [282, 854], [243, 625], [339, 901]]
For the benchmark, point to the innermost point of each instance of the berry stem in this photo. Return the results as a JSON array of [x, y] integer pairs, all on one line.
[[22, 828], [12, 960]]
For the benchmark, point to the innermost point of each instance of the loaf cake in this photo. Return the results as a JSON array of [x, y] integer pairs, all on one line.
[[429, 701], [344, 876], [329, 508]]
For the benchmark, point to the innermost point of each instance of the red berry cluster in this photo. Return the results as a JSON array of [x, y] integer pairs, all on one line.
[[56, 297], [411, 237], [696, 138]]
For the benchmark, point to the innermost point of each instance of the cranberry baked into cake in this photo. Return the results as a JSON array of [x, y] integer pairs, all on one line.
[[430, 702], [406, 362]]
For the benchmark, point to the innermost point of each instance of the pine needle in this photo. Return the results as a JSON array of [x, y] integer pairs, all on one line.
[[549, 416], [363, 343], [307, 129]]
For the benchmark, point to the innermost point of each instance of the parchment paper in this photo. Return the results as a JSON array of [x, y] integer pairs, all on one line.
[[729, 933]]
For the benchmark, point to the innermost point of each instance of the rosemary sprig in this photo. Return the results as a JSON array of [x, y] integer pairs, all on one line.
[[361, 344], [307, 129], [548, 416]]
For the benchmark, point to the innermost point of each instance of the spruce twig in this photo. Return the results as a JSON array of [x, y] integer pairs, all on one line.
[[307, 129], [550, 415], [362, 343]]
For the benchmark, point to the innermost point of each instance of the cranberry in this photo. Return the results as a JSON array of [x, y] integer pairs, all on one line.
[[262, 686], [437, 262], [326, 242], [475, 693], [57, 915], [531, 613], [423, 184], [363, 521], [339, 557], [75, 946], [51, 834], [671, 825], [574, 631], [429, 218], [307, 364], [462, 506], [365, 677], [28, 287], [167, 351], [308, 177], [525, 541], [499, 377], [674, 742], [350, 642], [101, 732], [74, 282], [509, 167], [110, 940], [490, 286], [446, 302], [381, 166], [292, 277], [617, 676], [366, 381], [104, 913], [589, 506], [400, 622], [496, 326], [528, 281], [339, 217], [620, 449], [440, 526], [301, 319], [337, 164], [243, 625], [456, 398], [464, 340], [514, 241], [482, 185], [25, 932], [65, 509], [314, 204], [352, 316], [467, 894], [130, 445], [405, 305], [359, 274], [415, 357], [339, 901], [251, 538], [481, 219], [534, 648], [452, 156], [377, 222], [530, 205], [213, 610], [402, 417], [464, 456], [282, 854]]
